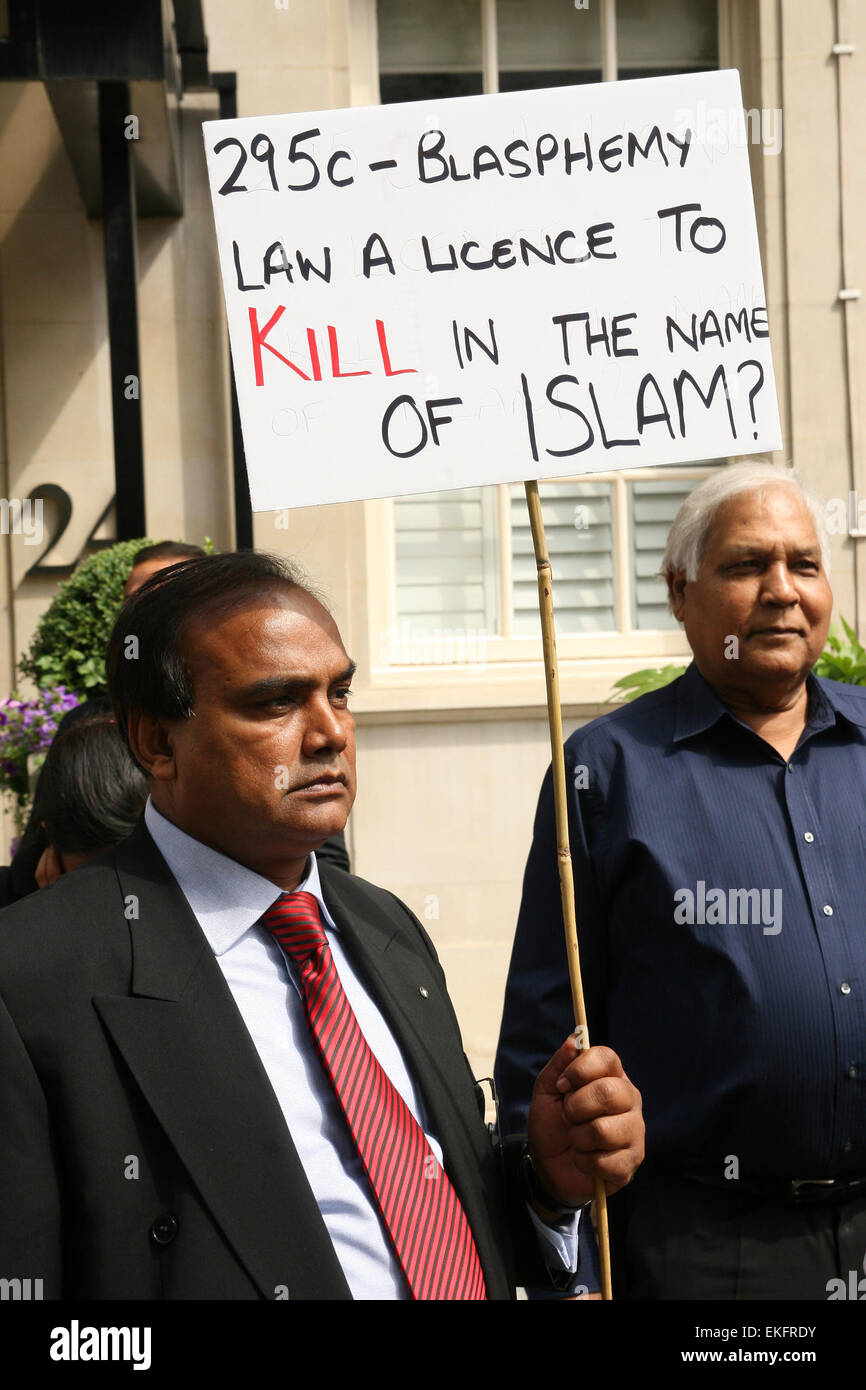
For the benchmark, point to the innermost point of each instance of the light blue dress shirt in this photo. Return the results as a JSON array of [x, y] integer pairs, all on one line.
[[228, 900]]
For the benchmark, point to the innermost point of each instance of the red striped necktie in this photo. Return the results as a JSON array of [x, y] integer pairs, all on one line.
[[421, 1210]]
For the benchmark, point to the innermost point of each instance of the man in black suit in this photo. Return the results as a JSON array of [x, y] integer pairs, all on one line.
[[175, 1122]]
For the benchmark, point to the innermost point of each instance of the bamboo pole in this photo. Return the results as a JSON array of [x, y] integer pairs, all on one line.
[[563, 850]]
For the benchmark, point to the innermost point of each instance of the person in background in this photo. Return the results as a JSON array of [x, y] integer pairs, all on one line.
[[153, 558], [88, 798], [91, 795], [19, 878], [34, 857]]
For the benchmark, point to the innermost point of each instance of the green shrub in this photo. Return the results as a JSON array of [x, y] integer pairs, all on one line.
[[841, 661], [642, 682], [68, 646]]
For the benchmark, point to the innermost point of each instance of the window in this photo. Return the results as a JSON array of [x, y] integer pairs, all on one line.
[[433, 48], [464, 568]]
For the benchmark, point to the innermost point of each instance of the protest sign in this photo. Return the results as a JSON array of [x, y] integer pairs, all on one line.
[[488, 289]]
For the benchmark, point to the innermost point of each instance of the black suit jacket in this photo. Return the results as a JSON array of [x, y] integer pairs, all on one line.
[[143, 1153]]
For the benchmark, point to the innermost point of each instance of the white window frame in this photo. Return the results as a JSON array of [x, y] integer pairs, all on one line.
[[504, 648]]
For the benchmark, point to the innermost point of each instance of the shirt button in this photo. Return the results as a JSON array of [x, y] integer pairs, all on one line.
[[808, 837], [847, 1146], [852, 1072], [164, 1229], [423, 991], [827, 910], [845, 987], [790, 767]]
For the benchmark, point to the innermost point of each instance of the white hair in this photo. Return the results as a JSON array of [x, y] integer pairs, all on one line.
[[687, 538]]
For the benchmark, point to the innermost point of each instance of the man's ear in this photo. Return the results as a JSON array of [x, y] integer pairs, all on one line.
[[152, 745], [677, 592]]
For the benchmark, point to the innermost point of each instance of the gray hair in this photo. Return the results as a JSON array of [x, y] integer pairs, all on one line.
[[687, 538]]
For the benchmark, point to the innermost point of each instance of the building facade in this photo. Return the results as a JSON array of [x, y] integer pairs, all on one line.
[[435, 595]]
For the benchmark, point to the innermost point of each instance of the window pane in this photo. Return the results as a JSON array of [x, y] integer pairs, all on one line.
[[668, 36], [447, 562], [652, 508], [520, 80], [427, 86], [554, 37], [429, 36], [578, 524]]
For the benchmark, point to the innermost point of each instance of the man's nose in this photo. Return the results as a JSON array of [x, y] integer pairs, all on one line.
[[325, 728], [778, 586]]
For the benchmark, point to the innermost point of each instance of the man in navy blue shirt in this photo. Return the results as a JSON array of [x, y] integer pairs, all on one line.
[[718, 834]]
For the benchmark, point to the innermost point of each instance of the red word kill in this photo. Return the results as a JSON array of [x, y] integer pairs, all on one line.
[[259, 340]]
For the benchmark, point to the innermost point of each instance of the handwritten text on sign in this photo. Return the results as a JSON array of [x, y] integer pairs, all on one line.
[[481, 290]]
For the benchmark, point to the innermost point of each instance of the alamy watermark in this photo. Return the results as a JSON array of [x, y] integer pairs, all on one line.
[[21, 1290], [703, 906], [22, 518], [721, 128], [852, 1289], [457, 646], [845, 516], [77, 1343]]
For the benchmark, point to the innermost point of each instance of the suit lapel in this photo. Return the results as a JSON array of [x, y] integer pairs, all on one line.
[[186, 1045]]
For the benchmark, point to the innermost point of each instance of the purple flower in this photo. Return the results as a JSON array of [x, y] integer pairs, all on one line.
[[29, 727]]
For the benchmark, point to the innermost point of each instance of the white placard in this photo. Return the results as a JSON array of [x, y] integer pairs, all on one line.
[[481, 290]]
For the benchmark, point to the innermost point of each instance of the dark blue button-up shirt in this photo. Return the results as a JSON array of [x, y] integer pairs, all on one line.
[[721, 910]]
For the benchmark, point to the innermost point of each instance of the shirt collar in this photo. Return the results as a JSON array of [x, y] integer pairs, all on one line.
[[844, 699], [226, 897], [699, 707]]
